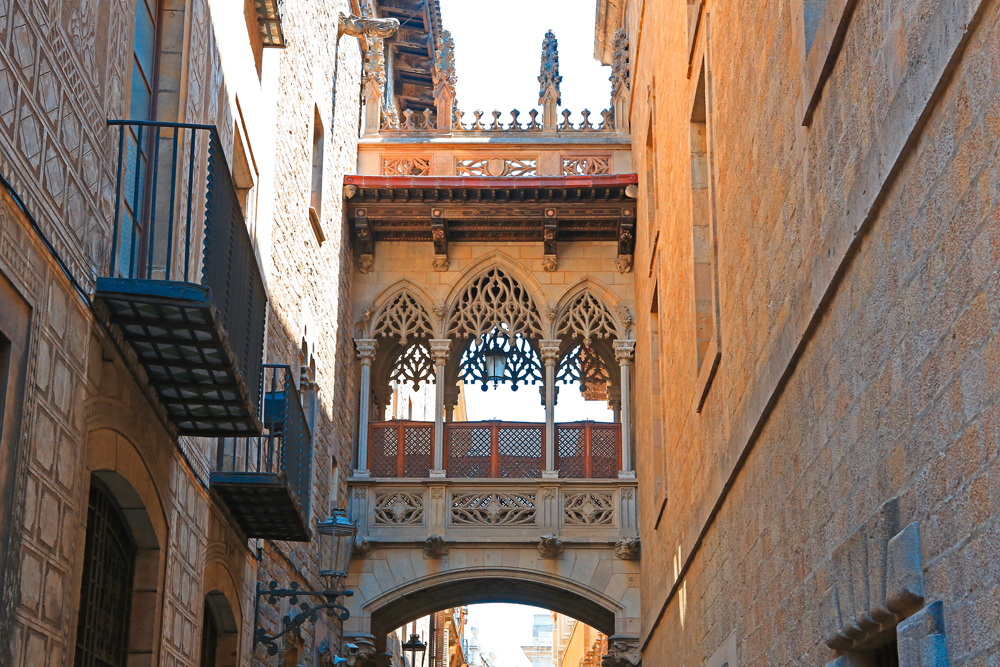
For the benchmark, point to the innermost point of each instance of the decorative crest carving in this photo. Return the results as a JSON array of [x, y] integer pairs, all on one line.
[[495, 300], [493, 509], [497, 166], [587, 318], [403, 316], [406, 166], [548, 77]]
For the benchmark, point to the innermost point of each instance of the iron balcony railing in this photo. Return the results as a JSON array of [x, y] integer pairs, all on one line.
[[179, 224], [265, 479], [494, 449]]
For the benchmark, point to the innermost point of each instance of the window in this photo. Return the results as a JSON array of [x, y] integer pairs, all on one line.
[[316, 190], [106, 589], [651, 195], [706, 310], [243, 175], [656, 405], [335, 485]]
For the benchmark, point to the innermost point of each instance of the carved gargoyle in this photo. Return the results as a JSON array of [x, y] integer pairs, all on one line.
[[435, 547], [358, 26], [550, 546], [361, 547], [622, 654], [628, 548]]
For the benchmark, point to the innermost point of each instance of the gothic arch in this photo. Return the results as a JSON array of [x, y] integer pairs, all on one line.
[[491, 260], [614, 322], [417, 598], [388, 313], [473, 312]]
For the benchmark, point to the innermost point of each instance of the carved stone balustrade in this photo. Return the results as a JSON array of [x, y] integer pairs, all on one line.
[[502, 511]]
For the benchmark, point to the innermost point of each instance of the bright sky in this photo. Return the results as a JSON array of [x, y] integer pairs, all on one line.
[[498, 48], [504, 629]]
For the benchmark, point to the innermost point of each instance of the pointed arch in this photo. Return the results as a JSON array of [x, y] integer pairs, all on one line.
[[402, 310], [589, 310], [495, 293]]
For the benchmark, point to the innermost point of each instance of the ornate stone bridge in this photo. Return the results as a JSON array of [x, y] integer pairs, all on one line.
[[568, 545]]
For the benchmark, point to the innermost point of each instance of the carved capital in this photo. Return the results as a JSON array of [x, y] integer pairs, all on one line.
[[628, 548], [435, 547], [549, 351], [622, 652], [439, 350], [365, 348], [550, 547], [624, 350]]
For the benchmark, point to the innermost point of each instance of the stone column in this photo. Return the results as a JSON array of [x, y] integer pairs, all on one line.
[[451, 393], [366, 352], [624, 350], [615, 402], [439, 352], [549, 350]]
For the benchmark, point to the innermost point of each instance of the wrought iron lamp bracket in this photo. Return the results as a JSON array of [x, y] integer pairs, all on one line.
[[289, 622]]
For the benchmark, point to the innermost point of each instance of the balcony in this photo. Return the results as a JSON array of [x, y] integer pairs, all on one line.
[[494, 449], [183, 284], [264, 480]]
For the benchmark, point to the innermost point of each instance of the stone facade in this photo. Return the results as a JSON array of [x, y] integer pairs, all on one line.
[[88, 411], [847, 248]]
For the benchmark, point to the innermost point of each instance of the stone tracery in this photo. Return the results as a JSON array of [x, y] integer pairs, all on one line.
[[495, 300], [404, 317]]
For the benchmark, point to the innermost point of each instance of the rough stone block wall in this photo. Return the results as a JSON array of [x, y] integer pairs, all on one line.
[[858, 280], [64, 70]]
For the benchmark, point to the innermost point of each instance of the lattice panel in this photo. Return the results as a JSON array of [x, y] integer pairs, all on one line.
[[493, 509], [604, 450], [570, 451], [382, 450], [469, 452], [590, 508], [413, 366], [417, 452], [399, 509], [520, 450]]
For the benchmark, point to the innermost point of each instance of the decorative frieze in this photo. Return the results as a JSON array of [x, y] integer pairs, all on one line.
[[411, 165], [497, 166], [589, 508], [586, 165], [493, 509], [399, 509]]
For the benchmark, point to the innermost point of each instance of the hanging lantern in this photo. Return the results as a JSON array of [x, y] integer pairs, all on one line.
[[336, 543], [413, 647], [495, 360]]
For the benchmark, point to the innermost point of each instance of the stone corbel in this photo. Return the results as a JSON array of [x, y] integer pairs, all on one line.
[[435, 547], [628, 548], [439, 234], [550, 235], [626, 240], [550, 546], [623, 651], [365, 240]]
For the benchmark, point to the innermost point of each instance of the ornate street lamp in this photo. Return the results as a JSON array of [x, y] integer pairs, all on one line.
[[336, 542], [415, 646]]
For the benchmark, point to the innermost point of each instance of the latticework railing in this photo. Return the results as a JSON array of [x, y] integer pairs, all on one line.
[[494, 449]]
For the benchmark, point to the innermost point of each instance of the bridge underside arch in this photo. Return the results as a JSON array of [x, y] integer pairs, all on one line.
[[434, 597]]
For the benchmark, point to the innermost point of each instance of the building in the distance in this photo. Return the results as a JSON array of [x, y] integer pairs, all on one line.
[[539, 652]]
